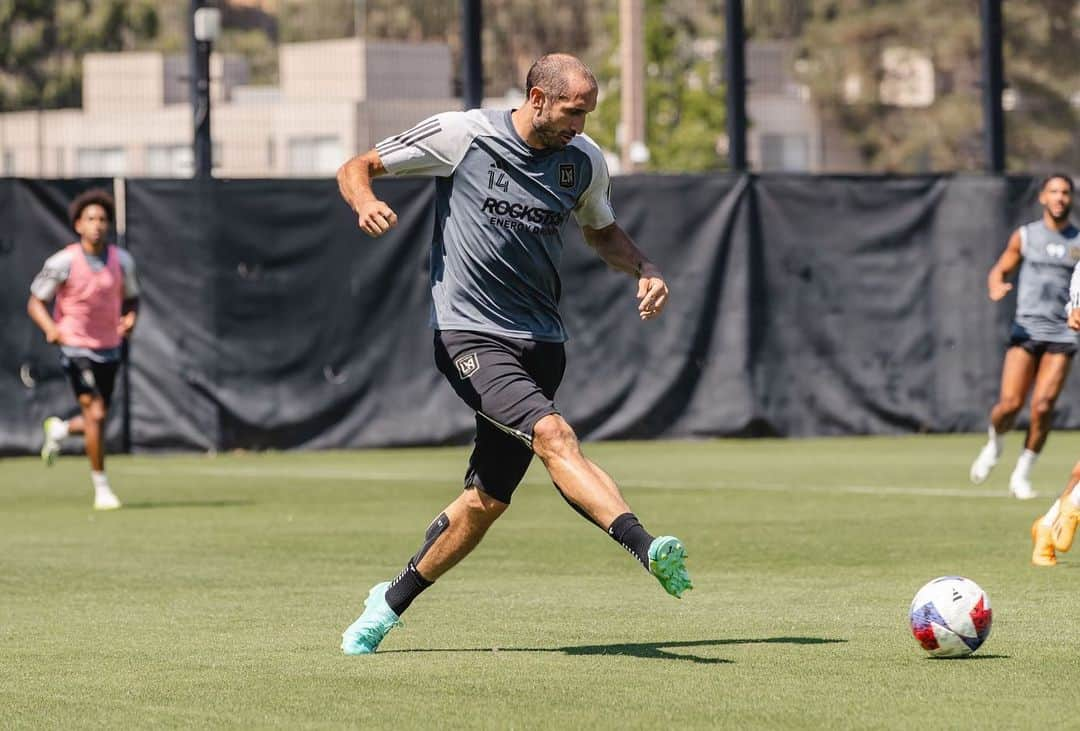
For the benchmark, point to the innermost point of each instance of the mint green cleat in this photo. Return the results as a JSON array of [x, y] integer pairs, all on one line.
[[364, 635], [49, 447], [667, 562]]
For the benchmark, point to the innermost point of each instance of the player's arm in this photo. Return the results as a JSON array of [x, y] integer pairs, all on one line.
[[129, 309], [43, 290], [1005, 266], [354, 181], [619, 251], [1074, 299], [39, 313], [129, 313]]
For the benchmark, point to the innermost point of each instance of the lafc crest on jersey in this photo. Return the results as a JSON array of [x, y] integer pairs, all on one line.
[[567, 175]]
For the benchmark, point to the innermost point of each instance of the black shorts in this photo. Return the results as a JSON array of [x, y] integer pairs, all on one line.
[[1019, 337], [511, 385], [90, 377]]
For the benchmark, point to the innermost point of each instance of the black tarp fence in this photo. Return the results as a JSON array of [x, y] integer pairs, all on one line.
[[800, 306]]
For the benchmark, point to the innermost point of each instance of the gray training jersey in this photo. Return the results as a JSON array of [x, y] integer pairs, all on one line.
[[500, 207], [1043, 292]]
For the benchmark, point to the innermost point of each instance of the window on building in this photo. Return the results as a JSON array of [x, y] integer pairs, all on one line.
[[785, 152], [90, 161], [169, 161], [314, 155]]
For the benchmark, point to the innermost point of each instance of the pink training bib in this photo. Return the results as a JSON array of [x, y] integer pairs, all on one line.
[[87, 306]]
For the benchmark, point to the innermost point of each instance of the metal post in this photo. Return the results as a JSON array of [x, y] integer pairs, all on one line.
[[472, 82], [632, 75], [735, 71], [202, 147], [993, 84]]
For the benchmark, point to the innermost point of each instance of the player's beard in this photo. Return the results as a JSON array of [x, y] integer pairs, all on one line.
[[1064, 216], [550, 135]]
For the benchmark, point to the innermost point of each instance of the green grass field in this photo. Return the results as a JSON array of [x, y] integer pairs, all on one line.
[[217, 597]]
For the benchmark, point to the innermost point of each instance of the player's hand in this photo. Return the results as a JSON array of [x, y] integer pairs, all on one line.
[[375, 218], [52, 336], [1074, 318], [998, 289], [652, 292], [127, 324]]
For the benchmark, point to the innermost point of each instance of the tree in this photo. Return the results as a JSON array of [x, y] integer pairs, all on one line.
[[684, 89], [1043, 128], [843, 52], [42, 43]]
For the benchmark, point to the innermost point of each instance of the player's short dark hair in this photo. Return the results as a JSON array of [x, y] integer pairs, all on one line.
[[1058, 176], [551, 71], [92, 197]]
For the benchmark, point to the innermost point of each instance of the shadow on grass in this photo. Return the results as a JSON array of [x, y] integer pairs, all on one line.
[[969, 658], [651, 650], [187, 504]]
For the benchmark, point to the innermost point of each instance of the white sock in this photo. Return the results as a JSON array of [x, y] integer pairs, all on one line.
[[101, 482], [1074, 497], [1051, 514], [1025, 463], [58, 430], [995, 439]]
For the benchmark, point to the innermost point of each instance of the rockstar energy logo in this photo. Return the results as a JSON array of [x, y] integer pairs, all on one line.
[[518, 216]]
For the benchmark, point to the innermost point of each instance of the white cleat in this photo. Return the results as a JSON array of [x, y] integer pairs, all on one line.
[[106, 500], [1020, 488], [980, 468], [50, 447]]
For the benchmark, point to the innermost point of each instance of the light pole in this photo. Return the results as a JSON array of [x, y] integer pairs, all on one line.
[[205, 27]]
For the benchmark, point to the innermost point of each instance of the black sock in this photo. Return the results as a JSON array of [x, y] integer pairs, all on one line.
[[627, 531], [406, 587]]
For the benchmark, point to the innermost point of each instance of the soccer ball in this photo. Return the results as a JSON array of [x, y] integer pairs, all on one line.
[[951, 616]]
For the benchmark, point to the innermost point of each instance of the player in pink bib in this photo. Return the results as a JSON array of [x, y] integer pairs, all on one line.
[[92, 286]]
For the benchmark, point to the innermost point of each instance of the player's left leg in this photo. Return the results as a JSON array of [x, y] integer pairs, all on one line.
[[1050, 377], [592, 491]]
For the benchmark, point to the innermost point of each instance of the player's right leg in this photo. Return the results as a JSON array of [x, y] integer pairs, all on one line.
[[1017, 375], [448, 539]]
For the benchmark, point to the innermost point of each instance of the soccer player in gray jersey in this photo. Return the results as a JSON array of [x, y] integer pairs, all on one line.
[[1041, 345], [506, 182]]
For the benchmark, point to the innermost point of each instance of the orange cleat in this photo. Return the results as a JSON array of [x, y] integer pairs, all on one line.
[[1042, 550]]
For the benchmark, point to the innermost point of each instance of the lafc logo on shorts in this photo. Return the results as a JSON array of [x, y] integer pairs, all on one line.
[[467, 365], [567, 175]]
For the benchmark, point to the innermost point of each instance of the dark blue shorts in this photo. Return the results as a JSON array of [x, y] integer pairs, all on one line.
[[511, 385], [1019, 337]]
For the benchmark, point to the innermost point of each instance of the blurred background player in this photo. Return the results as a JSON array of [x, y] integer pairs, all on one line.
[[95, 296], [1041, 345], [506, 183]]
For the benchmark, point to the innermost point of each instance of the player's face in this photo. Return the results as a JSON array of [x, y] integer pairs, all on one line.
[[558, 121], [93, 224], [1056, 198]]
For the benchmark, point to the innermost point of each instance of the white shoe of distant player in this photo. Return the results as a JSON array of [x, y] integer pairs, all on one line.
[[50, 446], [105, 500], [980, 468], [1020, 488]]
